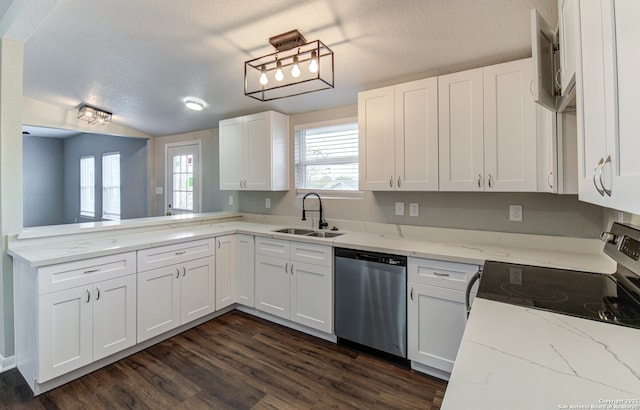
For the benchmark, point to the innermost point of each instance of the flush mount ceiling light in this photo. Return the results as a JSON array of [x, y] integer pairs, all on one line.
[[296, 68], [194, 105], [94, 115]]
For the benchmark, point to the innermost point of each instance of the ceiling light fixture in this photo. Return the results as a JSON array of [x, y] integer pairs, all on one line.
[[311, 68], [94, 115], [194, 105]]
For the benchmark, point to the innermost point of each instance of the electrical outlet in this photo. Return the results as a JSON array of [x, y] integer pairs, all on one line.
[[414, 209], [230, 199], [267, 203], [400, 208], [515, 213]]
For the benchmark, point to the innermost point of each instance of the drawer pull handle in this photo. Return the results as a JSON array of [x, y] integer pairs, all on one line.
[[92, 270], [88, 295], [97, 293], [441, 274], [181, 252]]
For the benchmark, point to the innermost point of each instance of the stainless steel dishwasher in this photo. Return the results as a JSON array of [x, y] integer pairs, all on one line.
[[371, 300]]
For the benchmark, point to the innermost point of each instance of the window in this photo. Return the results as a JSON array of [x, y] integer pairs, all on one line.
[[111, 186], [87, 187], [327, 156], [183, 182]]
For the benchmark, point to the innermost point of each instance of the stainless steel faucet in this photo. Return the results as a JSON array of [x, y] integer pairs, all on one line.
[[321, 223]]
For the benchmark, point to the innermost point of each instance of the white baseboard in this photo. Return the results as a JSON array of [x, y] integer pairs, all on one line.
[[7, 363]]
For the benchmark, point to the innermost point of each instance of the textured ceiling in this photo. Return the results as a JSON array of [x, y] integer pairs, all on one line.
[[140, 59]]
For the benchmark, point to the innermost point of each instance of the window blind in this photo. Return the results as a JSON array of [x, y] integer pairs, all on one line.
[[111, 186]]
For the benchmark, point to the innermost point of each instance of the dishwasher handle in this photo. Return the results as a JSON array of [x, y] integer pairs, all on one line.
[[467, 294]]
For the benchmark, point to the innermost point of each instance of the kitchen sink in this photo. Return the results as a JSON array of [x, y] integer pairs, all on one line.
[[309, 232], [296, 231]]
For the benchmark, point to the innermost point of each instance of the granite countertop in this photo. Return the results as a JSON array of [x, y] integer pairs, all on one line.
[[514, 357], [41, 247]]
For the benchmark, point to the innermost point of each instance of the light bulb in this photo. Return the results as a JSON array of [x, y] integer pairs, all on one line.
[[263, 77], [295, 70], [313, 66], [279, 75]]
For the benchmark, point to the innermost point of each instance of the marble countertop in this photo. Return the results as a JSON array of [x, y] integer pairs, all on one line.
[[50, 246], [513, 357]]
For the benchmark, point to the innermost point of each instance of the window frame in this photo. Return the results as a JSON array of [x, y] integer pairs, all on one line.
[[325, 193], [111, 216], [88, 213]]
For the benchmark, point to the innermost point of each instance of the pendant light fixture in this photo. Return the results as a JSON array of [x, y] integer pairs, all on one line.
[[296, 67]]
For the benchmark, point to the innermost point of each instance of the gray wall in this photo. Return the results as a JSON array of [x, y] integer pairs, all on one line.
[[545, 214], [43, 178], [133, 172]]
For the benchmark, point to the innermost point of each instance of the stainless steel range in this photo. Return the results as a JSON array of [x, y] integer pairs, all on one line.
[[613, 298]]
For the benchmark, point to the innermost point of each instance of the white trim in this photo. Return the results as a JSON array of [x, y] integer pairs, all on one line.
[[7, 363], [166, 169], [327, 123], [331, 193]]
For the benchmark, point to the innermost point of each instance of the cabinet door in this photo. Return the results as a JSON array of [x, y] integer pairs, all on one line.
[[258, 152], [509, 128], [460, 124], [225, 271], [245, 279], [114, 316], [272, 285], [596, 105], [65, 332], [232, 146], [626, 179], [548, 150], [436, 318], [567, 23], [158, 301], [416, 135], [197, 289], [376, 139], [312, 295]]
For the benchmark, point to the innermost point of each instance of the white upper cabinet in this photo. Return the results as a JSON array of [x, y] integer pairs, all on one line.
[[398, 129], [608, 87], [461, 131], [254, 152], [488, 133], [567, 44]]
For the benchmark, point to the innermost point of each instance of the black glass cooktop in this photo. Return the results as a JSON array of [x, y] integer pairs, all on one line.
[[592, 296]]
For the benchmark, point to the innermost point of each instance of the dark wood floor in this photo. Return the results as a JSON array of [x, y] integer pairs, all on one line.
[[237, 361]]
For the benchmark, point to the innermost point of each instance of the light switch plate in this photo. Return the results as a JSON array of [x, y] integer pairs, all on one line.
[[159, 190], [515, 213], [414, 209], [400, 208], [267, 203], [230, 199]]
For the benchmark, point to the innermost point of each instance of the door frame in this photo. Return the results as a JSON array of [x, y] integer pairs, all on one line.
[[198, 168]]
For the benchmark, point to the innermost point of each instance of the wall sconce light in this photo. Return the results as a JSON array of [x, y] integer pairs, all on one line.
[[94, 115], [296, 68]]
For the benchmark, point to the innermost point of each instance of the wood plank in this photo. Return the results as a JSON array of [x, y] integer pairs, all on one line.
[[237, 361]]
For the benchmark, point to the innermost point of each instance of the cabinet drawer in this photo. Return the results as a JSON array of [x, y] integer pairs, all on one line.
[[272, 247], [83, 272], [171, 254], [310, 253], [451, 275]]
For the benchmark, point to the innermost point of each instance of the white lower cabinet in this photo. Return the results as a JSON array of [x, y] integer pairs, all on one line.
[[225, 271], [436, 311], [69, 315], [294, 281], [245, 270], [176, 294]]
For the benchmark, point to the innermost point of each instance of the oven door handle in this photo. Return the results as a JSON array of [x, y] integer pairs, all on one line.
[[467, 294]]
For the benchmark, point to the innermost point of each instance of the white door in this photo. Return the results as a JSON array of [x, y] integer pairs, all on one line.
[[272, 285], [257, 162], [245, 278], [232, 151], [197, 289], [158, 301], [114, 316], [509, 128], [65, 332], [225, 271], [311, 290], [376, 139], [460, 123], [183, 184], [416, 135]]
